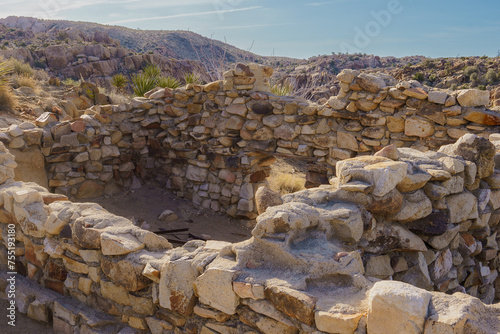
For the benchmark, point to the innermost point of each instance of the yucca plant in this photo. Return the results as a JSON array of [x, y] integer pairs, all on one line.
[[169, 82], [151, 70], [142, 83], [7, 98], [5, 69], [282, 89], [119, 81], [192, 77]]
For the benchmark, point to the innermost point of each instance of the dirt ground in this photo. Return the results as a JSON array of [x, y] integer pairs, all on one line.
[[24, 325], [143, 207]]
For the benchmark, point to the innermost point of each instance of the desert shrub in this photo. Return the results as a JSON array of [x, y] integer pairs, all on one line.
[[41, 75], [482, 87], [491, 76], [287, 183], [432, 77], [117, 97], [150, 78], [152, 70], [7, 98], [24, 81], [470, 70], [285, 89], [169, 82], [474, 79], [143, 83], [20, 68], [192, 77], [70, 82], [419, 76], [119, 81]]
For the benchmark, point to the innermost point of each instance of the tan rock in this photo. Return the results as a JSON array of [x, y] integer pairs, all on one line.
[[337, 103], [473, 97], [395, 124], [264, 198], [420, 127], [337, 322], [296, 304], [416, 92], [366, 105], [397, 307], [176, 287], [370, 82], [214, 288], [347, 140], [119, 244]]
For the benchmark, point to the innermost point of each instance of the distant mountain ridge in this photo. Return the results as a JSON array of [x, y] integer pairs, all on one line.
[[96, 51], [176, 44]]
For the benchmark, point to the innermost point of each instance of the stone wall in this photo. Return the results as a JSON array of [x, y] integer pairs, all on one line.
[[320, 261], [214, 143]]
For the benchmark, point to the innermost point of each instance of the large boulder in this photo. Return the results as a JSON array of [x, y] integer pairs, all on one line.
[[478, 150], [30, 166]]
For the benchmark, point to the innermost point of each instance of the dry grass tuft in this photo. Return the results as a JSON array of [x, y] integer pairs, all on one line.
[[117, 97], [285, 183], [8, 100], [24, 81]]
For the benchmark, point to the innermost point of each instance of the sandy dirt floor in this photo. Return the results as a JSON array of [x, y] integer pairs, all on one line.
[[143, 206]]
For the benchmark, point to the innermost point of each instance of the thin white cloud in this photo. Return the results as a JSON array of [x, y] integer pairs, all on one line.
[[86, 3], [252, 26], [322, 3], [186, 15]]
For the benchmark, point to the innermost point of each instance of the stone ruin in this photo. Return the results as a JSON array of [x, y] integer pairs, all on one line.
[[371, 253], [214, 143], [402, 241]]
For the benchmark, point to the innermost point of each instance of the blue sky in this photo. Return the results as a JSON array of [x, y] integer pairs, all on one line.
[[300, 29]]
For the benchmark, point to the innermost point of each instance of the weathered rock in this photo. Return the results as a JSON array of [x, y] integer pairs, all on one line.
[[415, 206], [384, 174], [397, 307], [168, 215], [434, 224], [473, 98], [387, 237], [296, 304], [265, 197], [420, 127], [475, 149], [214, 288], [176, 287], [370, 82]]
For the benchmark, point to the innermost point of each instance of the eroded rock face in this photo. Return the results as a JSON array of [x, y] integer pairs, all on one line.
[[478, 150]]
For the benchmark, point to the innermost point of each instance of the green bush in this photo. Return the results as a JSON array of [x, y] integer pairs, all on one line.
[[70, 82], [491, 76], [418, 76], [143, 83], [20, 68], [192, 77], [119, 81], [470, 70], [152, 70], [169, 82]]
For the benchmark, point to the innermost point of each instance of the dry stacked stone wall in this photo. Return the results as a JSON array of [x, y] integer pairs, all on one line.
[[371, 253], [214, 143]]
